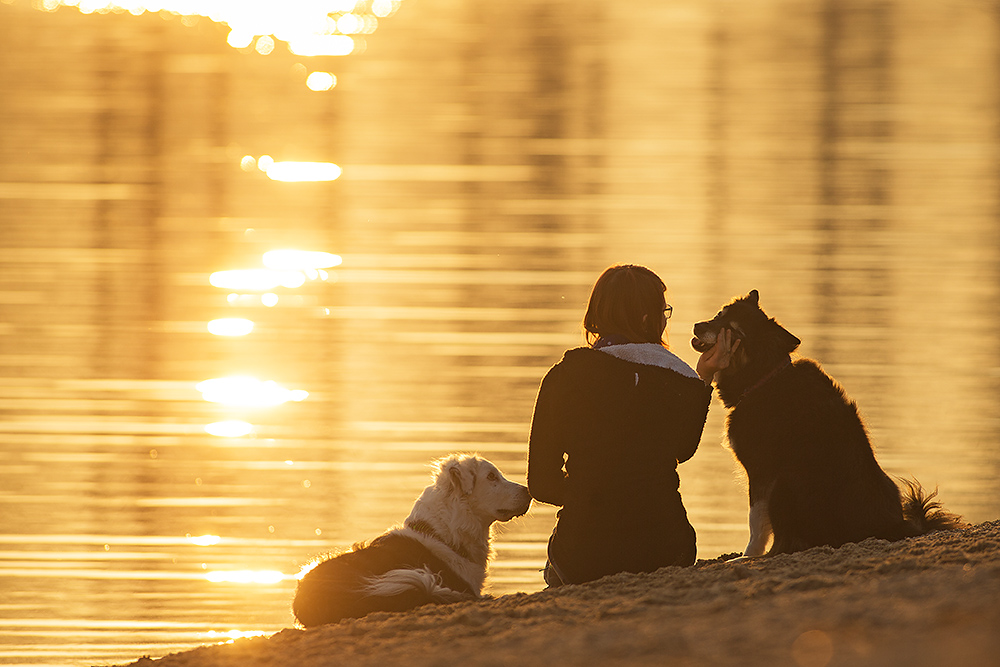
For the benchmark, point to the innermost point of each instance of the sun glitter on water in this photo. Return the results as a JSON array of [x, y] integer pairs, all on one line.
[[308, 27]]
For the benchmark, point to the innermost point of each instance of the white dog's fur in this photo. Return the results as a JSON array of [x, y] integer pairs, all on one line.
[[402, 580], [452, 519], [468, 496]]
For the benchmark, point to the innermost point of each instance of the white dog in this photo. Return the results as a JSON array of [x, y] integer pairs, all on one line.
[[439, 555]]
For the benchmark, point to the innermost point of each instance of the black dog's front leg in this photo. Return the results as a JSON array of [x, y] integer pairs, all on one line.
[[759, 520]]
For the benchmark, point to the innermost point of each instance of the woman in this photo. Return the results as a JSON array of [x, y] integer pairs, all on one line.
[[611, 423]]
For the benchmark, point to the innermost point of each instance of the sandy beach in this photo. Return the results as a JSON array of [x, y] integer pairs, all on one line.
[[932, 600]]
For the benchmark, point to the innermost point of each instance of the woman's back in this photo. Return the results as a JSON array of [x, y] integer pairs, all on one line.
[[623, 416]]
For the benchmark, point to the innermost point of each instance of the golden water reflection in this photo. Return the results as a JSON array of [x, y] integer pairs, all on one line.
[[230, 326], [310, 27], [496, 157], [320, 81], [247, 577], [300, 260], [299, 172], [229, 428], [257, 280], [248, 391]]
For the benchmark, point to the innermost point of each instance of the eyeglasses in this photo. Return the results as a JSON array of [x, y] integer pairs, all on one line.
[[668, 310]]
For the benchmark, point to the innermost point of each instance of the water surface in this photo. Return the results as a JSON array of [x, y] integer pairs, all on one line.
[[842, 158]]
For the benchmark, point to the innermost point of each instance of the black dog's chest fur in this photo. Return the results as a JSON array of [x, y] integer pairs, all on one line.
[[799, 412]]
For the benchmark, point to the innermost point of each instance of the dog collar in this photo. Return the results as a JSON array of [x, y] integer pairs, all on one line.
[[425, 528], [764, 380]]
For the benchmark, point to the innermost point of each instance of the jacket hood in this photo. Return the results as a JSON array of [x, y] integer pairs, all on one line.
[[650, 354]]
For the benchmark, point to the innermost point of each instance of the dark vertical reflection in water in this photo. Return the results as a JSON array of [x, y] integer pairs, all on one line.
[[855, 133], [497, 156], [994, 385], [718, 74]]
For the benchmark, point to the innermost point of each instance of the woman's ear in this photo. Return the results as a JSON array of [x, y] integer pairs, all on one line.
[[654, 330]]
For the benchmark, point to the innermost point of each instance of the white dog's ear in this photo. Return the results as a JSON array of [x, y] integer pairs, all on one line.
[[459, 475]]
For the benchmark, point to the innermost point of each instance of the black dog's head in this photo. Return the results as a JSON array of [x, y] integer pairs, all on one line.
[[760, 336]]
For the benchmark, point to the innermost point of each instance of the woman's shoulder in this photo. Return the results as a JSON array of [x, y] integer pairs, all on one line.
[[578, 355], [575, 360], [578, 362]]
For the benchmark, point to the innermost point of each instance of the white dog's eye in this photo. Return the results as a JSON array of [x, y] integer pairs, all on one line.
[[492, 477]]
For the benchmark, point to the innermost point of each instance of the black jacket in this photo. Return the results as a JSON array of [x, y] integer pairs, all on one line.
[[624, 417]]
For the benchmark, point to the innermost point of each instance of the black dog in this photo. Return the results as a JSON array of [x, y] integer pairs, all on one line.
[[812, 473]]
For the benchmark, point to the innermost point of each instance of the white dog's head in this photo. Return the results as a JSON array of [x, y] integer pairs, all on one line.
[[459, 509], [478, 484]]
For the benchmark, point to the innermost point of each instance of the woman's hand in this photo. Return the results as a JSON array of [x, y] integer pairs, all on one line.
[[718, 357]]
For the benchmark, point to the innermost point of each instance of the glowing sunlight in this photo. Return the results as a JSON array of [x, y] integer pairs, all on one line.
[[231, 428], [248, 392], [322, 45], [256, 280], [300, 260], [246, 577], [230, 326], [300, 172], [233, 635], [320, 81], [309, 27]]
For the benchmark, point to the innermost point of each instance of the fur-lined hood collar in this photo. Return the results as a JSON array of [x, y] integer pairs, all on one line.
[[650, 354]]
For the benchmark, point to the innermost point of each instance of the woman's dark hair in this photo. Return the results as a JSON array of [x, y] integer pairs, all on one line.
[[627, 301]]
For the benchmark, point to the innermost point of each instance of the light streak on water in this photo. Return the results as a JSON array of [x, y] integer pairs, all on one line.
[[231, 428], [247, 577], [264, 45], [233, 635], [309, 27], [230, 326], [263, 162], [300, 172], [257, 280], [248, 391], [323, 45], [300, 260], [320, 81], [292, 171]]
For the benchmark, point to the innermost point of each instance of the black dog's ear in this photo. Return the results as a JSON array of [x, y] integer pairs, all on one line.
[[754, 297]]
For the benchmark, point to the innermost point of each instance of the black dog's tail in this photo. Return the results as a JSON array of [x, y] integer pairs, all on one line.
[[924, 512]]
